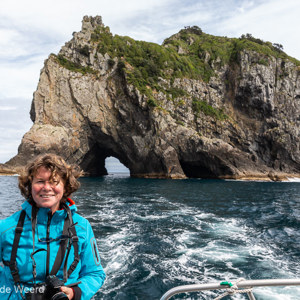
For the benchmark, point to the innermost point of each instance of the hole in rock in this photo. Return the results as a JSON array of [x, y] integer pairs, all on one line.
[[114, 166], [196, 170]]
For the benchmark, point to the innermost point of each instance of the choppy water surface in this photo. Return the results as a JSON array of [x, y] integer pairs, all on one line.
[[157, 234]]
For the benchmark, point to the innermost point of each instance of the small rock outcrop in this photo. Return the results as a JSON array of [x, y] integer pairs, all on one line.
[[187, 108]]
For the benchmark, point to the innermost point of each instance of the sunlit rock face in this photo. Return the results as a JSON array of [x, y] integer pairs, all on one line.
[[238, 120]]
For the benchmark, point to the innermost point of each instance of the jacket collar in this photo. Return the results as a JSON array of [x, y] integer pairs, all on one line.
[[43, 213]]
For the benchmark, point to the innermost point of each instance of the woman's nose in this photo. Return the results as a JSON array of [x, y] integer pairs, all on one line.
[[47, 185]]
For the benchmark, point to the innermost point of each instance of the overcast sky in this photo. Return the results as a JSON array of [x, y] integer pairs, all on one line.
[[31, 30]]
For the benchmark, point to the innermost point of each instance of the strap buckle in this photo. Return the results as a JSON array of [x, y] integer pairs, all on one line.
[[75, 238]]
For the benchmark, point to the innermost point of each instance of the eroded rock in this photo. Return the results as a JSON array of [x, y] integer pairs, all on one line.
[[94, 111]]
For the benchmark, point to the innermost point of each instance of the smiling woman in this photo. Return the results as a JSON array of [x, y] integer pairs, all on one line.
[[47, 192], [48, 175], [49, 217]]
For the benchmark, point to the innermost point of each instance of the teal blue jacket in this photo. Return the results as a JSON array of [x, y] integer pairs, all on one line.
[[89, 270]]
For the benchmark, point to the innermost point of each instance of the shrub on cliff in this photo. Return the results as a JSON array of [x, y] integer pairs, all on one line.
[[74, 66], [208, 110]]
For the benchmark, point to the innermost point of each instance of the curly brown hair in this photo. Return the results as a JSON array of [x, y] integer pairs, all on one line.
[[58, 168]]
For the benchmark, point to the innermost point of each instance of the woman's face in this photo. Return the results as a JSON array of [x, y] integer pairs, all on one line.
[[47, 193]]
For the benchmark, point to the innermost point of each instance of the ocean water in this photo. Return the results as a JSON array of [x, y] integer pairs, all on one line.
[[157, 234]]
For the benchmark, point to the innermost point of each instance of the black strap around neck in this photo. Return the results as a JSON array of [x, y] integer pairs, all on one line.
[[74, 241], [71, 238], [65, 244], [13, 263], [62, 249]]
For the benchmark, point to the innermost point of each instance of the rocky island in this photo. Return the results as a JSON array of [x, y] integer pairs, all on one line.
[[196, 106]]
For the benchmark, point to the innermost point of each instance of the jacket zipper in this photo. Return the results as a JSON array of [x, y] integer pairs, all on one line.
[[48, 242]]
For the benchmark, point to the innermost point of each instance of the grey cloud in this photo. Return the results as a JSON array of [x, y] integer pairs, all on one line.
[[14, 123]]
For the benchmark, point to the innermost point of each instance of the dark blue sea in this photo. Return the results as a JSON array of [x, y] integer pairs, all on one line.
[[156, 234]]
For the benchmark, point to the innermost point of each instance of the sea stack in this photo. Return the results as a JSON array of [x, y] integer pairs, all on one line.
[[196, 106]]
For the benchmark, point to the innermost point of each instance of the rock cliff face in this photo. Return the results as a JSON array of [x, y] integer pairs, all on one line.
[[239, 118]]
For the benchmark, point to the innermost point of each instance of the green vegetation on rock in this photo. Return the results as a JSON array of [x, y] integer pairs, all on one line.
[[208, 110], [145, 62], [187, 54], [74, 67]]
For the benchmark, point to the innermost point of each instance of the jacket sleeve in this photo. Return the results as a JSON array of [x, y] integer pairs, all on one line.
[[91, 275], [1, 267], [1, 256]]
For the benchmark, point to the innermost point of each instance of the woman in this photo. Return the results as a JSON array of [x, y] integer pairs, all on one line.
[[47, 249]]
